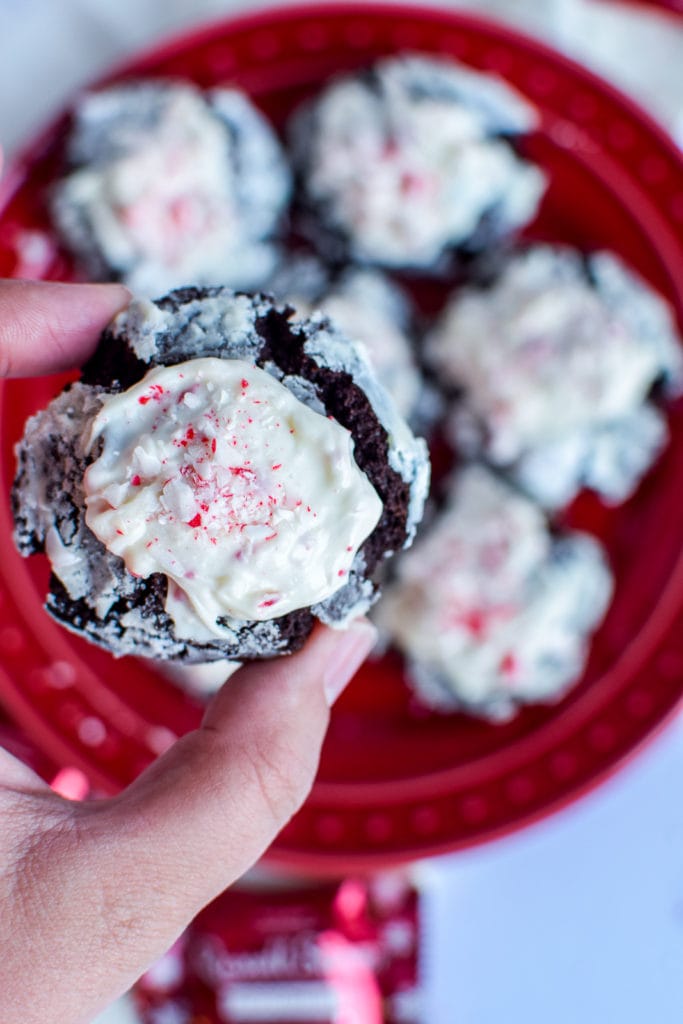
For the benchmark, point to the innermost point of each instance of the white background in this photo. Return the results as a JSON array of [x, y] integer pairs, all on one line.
[[579, 919]]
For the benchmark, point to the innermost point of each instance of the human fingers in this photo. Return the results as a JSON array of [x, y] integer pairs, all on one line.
[[47, 326], [253, 759], [113, 883]]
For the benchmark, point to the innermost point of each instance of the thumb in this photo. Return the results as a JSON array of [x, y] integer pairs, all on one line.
[[46, 326], [117, 882], [224, 791]]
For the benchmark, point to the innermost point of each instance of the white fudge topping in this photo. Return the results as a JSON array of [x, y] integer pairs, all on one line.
[[556, 370], [162, 196], [406, 166], [490, 609], [212, 473]]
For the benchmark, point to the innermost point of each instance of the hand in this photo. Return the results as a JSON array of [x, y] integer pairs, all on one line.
[[92, 893]]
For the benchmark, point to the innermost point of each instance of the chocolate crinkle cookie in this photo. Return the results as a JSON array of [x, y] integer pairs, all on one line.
[[567, 391], [167, 184], [219, 478], [492, 609], [411, 159]]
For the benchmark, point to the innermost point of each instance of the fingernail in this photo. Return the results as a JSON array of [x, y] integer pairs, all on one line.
[[92, 300], [114, 294], [353, 648]]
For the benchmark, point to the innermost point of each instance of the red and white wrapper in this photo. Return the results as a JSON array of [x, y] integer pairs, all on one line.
[[342, 953]]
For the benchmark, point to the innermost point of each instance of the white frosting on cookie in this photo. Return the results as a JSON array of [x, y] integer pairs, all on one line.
[[405, 165], [161, 193], [490, 608], [212, 473], [556, 369]]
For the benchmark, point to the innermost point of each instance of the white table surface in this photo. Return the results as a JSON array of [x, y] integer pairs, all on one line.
[[580, 918]]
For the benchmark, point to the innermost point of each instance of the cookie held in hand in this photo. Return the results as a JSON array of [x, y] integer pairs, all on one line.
[[218, 479]]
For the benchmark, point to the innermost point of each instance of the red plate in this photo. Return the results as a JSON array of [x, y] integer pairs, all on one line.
[[395, 782]]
